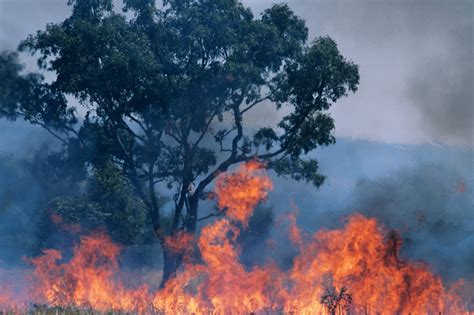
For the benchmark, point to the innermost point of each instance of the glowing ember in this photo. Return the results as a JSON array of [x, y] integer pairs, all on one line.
[[353, 270]]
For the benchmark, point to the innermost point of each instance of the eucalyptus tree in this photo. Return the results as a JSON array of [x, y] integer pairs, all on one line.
[[168, 90]]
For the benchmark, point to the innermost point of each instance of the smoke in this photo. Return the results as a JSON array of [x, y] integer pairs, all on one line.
[[17, 204], [425, 193], [416, 66], [431, 206], [20, 190], [440, 87], [23, 195]]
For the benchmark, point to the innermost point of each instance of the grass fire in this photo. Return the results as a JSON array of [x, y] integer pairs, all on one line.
[[352, 270], [180, 157]]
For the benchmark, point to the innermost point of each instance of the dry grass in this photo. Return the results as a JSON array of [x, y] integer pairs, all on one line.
[[44, 310]]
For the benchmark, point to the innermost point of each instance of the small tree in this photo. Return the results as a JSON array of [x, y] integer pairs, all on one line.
[[167, 92], [107, 201]]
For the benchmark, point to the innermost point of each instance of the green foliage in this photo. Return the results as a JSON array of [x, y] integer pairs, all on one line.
[[108, 202], [299, 169], [167, 92], [29, 97]]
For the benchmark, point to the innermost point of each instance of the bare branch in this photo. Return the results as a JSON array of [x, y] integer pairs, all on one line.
[[174, 137], [250, 106], [203, 133], [233, 155], [138, 122], [54, 134], [48, 129], [210, 215]]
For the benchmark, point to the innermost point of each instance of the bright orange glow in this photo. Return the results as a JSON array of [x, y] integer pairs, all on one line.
[[241, 191], [361, 259], [351, 270], [88, 279], [7, 302], [180, 242]]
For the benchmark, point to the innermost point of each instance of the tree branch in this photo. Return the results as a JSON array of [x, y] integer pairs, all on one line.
[[255, 103], [210, 215], [126, 127], [54, 134], [233, 155], [138, 122], [203, 133]]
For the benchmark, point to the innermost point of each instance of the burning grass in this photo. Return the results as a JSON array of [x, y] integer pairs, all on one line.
[[354, 269], [58, 310]]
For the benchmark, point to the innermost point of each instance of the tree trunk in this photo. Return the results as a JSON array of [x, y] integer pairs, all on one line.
[[172, 260], [191, 217]]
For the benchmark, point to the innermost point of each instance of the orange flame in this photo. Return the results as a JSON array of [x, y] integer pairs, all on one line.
[[355, 269], [241, 191], [7, 301], [181, 242], [87, 280], [359, 258]]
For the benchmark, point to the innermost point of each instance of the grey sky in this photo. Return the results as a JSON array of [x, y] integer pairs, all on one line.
[[415, 57]]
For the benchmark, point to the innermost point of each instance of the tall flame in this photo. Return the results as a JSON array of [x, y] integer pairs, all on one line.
[[241, 191], [355, 269]]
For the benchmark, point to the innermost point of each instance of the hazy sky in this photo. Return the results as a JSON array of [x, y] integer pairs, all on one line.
[[415, 58]]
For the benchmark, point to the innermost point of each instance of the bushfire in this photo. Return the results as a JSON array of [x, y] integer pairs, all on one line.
[[352, 270]]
